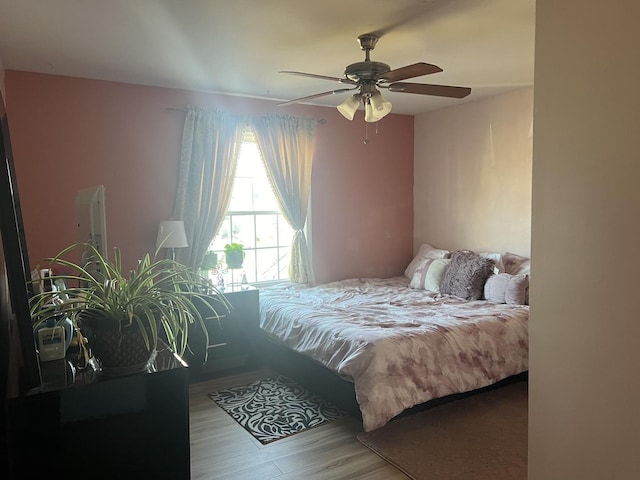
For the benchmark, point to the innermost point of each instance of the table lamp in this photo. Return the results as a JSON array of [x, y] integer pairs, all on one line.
[[171, 234]]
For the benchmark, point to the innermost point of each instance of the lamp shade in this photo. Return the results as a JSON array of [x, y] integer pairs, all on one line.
[[171, 234], [380, 106], [368, 113], [349, 107]]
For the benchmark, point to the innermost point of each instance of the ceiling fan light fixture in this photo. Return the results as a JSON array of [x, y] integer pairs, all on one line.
[[381, 106], [369, 115], [349, 107]]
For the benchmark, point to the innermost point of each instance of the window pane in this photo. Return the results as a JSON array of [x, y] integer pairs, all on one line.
[[223, 236], [242, 195], [267, 230], [249, 266], [285, 232], [243, 230], [251, 190], [263, 194], [268, 264]]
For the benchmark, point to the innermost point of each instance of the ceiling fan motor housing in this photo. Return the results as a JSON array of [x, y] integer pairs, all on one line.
[[365, 70]]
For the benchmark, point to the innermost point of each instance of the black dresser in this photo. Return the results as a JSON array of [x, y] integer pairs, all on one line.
[[80, 425]]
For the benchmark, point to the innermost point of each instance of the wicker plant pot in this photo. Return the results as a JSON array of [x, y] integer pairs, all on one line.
[[119, 353]]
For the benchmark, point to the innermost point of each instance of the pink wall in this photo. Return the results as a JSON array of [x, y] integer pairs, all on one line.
[[70, 133], [472, 175]]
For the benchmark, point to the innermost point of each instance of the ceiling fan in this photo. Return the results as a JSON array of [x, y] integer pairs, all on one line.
[[368, 77]]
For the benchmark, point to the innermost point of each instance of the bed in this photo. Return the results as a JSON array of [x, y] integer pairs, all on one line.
[[395, 343]]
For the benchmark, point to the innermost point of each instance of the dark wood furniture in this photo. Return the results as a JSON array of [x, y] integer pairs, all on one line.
[[85, 426], [231, 336]]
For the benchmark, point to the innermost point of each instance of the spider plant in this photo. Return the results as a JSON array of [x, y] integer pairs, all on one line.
[[156, 298]]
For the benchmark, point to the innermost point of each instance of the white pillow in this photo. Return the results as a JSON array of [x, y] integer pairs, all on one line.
[[507, 288], [425, 251], [429, 273]]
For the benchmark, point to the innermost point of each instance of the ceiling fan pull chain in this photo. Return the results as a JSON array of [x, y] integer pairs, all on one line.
[[366, 133]]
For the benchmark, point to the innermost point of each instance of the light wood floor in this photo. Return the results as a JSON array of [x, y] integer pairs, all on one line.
[[222, 449]]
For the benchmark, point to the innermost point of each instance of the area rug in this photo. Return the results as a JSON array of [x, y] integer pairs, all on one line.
[[481, 437], [274, 408]]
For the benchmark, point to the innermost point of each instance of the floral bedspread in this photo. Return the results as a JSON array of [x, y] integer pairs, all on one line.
[[399, 346]]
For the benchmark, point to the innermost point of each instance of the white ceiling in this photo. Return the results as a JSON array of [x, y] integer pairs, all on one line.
[[238, 46]]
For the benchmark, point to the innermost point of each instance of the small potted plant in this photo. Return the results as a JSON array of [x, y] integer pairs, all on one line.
[[234, 255], [125, 316], [210, 261]]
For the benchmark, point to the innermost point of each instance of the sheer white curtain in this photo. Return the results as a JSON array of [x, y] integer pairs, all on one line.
[[210, 143], [287, 145]]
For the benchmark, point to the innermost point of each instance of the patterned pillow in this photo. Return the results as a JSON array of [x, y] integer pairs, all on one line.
[[466, 275], [506, 288], [425, 251], [429, 273]]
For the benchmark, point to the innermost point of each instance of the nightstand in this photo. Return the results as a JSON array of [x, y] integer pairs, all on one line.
[[230, 344]]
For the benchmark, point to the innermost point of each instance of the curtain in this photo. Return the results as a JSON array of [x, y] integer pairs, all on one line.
[[210, 143], [287, 145]]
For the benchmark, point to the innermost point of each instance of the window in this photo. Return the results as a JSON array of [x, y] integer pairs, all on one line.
[[254, 220]]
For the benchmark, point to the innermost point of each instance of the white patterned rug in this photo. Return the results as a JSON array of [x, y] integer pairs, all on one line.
[[274, 408]]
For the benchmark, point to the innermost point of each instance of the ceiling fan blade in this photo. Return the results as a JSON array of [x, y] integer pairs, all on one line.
[[426, 89], [410, 71], [317, 95], [322, 77]]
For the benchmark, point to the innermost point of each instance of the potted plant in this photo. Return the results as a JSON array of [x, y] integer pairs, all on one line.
[[234, 255], [210, 261], [125, 315]]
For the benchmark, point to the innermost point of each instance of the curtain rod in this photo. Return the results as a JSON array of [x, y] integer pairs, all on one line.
[[321, 121]]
